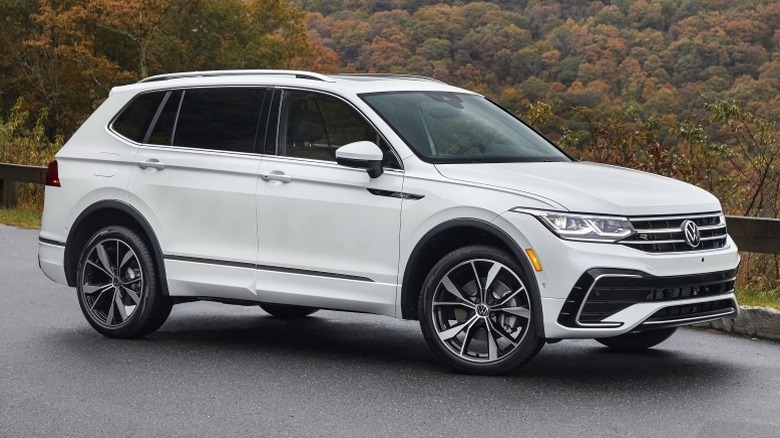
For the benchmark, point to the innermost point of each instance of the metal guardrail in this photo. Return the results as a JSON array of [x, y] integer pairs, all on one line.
[[10, 174], [752, 234]]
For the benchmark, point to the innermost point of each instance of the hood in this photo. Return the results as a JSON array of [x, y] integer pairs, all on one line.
[[589, 187]]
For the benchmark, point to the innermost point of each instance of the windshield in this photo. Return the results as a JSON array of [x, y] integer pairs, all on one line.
[[454, 127]]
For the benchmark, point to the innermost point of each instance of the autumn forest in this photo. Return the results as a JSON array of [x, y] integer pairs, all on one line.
[[685, 88]]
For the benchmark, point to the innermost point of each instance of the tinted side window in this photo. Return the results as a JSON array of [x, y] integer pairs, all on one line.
[[162, 133], [314, 125], [224, 119], [135, 118]]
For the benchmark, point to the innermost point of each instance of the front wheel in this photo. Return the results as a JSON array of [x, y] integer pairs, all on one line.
[[638, 341], [477, 313], [117, 285]]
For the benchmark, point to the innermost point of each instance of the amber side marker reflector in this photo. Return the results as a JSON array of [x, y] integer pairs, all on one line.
[[52, 174], [534, 260]]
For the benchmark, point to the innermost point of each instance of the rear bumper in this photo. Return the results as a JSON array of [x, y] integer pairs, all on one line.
[[51, 259]]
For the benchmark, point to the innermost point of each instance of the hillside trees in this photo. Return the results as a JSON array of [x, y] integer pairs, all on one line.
[[64, 55], [659, 55]]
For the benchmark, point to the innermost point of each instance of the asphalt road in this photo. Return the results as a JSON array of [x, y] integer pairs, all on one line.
[[217, 370]]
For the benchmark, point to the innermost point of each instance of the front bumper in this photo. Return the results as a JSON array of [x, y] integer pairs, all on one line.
[[592, 290], [601, 295]]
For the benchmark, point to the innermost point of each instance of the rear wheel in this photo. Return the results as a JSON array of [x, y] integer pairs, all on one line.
[[476, 312], [117, 285], [638, 341], [287, 311]]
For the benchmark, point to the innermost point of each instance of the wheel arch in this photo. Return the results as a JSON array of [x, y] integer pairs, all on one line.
[[448, 236], [102, 214]]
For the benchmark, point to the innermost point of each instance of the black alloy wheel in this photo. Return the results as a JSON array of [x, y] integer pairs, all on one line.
[[117, 285]]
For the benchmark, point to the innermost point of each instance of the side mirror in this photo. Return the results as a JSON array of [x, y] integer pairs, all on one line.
[[361, 155]]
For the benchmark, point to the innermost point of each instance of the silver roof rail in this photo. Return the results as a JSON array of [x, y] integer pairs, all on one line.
[[389, 76], [215, 73]]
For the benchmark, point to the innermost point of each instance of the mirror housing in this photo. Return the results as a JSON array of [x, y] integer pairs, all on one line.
[[361, 155]]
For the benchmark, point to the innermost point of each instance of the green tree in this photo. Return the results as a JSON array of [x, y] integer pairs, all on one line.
[[77, 51]]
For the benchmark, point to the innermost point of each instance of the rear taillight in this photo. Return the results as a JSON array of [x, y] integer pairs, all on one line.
[[52, 174]]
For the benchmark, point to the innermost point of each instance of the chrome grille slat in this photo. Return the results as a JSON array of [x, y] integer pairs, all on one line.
[[657, 242], [659, 230], [677, 230], [664, 234], [651, 242], [677, 217], [713, 227]]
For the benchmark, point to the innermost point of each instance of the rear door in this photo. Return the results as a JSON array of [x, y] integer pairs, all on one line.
[[194, 179]]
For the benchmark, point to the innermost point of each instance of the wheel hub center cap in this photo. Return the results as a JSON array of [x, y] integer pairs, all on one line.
[[483, 310], [115, 281]]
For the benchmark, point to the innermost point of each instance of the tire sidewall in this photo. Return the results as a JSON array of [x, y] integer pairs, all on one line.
[[531, 342]]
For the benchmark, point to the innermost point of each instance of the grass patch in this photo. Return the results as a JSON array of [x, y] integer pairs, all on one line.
[[755, 297], [29, 218]]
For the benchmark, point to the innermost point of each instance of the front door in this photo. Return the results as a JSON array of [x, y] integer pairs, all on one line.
[[327, 234]]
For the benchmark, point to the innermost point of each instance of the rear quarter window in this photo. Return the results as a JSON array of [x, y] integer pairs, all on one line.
[[134, 120]]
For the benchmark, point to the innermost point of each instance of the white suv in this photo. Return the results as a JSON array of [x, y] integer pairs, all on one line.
[[386, 194]]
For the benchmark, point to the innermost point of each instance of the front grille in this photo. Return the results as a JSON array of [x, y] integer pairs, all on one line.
[[663, 234], [600, 293]]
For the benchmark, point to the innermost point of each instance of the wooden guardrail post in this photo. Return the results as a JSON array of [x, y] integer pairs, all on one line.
[[10, 174], [8, 196]]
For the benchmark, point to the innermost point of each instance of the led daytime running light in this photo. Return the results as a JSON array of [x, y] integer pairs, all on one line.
[[584, 227]]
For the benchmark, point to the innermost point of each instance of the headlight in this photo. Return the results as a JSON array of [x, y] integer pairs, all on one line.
[[584, 227]]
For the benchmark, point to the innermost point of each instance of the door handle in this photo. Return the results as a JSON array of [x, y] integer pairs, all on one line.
[[275, 175], [151, 163]]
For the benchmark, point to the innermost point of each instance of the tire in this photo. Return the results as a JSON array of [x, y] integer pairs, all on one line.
[[474, 329], [638, 341], [118, 286], [286, 311]]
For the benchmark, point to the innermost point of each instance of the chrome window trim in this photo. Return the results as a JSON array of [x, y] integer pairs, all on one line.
[[110, 126]]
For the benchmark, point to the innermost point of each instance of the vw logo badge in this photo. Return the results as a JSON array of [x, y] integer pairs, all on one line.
[[691, 232]]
